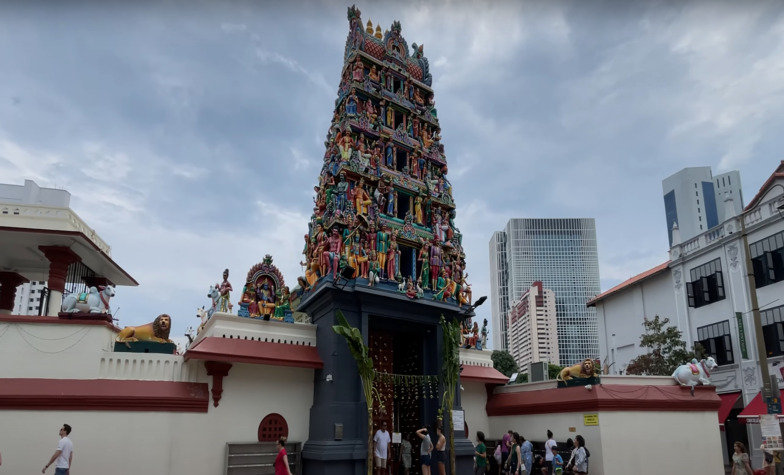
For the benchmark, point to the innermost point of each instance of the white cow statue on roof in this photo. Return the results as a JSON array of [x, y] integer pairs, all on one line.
[[694, 373]]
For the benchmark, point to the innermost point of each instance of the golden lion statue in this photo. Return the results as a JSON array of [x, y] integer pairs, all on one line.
[[580, 370], [158, 331]]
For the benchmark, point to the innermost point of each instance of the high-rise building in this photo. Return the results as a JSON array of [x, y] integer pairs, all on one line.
[[694, 199], [29, 298], [562, 254], [532, 335], [500, 291]]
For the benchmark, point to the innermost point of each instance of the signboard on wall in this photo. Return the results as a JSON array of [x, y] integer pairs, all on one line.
[[591, 419], [771, 432], [458, 420], [742, 336]]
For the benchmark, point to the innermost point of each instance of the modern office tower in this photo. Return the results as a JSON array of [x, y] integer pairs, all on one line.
[[499, 278], [532, 335], [694, 199], [562, 254]]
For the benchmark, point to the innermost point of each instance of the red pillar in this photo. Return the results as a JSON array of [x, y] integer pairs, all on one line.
[[9, 281], [60, 257]]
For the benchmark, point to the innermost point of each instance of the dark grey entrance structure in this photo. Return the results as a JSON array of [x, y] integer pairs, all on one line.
[[337, 441]]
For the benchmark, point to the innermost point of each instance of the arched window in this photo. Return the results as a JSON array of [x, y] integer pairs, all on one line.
[[272, 427]]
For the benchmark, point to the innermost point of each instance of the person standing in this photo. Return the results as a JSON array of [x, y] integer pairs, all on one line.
[[282, 459], [405, 454], [441, 450], [527, 454], [579, 462], [768, 460], [548, 451], [424, 450], [381, 442], [480, 454], [557, 461], [63, 456], [740, 460], [506, 442]]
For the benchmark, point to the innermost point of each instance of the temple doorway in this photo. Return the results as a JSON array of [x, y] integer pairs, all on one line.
[[397, 357]]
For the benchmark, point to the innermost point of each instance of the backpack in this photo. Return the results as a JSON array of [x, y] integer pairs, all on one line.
[[768, 457], [497, 454]]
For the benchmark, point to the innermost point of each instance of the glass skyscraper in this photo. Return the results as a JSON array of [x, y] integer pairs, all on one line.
[[562, 254]]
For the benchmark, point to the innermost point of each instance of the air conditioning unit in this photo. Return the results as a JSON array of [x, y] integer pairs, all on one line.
[[537, 371]]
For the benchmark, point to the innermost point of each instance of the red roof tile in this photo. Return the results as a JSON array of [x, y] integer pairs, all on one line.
[[627, 283]]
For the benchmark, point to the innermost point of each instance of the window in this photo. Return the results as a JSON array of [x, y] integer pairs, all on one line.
[[717, 341], [767, 259], [707, 284], [773, 330]]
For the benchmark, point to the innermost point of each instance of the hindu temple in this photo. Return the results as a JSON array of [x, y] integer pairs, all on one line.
[[382, 247]]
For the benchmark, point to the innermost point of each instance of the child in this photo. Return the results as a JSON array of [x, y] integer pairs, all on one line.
[[557, 461]]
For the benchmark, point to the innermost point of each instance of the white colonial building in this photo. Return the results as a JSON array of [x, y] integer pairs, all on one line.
[[703, 289]]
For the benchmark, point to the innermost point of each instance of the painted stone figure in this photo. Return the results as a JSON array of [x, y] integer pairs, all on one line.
[[382, 246], [332, 253], [225, 293]]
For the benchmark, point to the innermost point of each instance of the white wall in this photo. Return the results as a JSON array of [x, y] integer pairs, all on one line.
[[473, 398], [162, 443], [622, 314], [631, 442]]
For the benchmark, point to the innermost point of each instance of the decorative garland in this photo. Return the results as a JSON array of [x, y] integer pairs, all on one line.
[[412, 386]]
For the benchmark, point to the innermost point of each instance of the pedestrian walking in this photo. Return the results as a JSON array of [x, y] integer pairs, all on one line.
[[441, 450], [740, 460], [579, 462], [405, 454], [381, 452], [282, 459], [480, 454], [527, 454], [63, 456]]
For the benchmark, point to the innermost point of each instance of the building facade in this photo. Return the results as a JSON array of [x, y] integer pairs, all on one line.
[[562, 254], [694, 197], [532, 335], [705, 292], [499, 290], [30, 298]]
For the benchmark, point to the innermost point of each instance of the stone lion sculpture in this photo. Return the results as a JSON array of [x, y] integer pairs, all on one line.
[[158, 330], [580, 370]]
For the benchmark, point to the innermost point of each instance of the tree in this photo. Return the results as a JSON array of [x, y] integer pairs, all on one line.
[[553, 370], [503, 362], [450, 370], [666, 352]]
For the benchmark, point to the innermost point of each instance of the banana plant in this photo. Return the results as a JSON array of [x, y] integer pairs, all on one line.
[[450, 370], [367, 374]]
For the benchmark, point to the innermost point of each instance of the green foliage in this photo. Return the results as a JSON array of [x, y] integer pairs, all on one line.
[[666, 351], [553, 370], [450, 368], [504, 363], [521, 378]]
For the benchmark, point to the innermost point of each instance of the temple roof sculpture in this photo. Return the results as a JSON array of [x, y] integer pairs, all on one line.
[[384, 213]]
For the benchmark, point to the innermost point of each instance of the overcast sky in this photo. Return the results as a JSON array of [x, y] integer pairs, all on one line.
[[191, 134]]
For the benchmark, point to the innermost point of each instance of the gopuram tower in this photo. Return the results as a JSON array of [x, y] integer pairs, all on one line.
[[382, 247]]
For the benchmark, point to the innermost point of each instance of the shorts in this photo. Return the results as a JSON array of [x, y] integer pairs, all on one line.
[[380, 463], [441, 456], [425, 459]]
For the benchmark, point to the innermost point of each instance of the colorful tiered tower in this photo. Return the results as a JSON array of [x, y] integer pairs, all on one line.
[[382, 248], [384, 210]]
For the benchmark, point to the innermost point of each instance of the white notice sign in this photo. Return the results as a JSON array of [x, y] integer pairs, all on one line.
[[395, 437], [458, 420], [771, 433]]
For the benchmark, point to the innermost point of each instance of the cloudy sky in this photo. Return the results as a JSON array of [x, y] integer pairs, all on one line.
[[190, 134]]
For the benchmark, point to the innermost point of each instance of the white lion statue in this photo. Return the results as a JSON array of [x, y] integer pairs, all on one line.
[[95, 300], [694, 373]]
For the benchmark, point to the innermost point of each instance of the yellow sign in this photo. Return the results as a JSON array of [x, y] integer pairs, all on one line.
[[591, 419]]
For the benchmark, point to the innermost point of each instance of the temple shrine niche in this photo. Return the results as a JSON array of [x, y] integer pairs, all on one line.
[[265, 294], [384, 214]]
